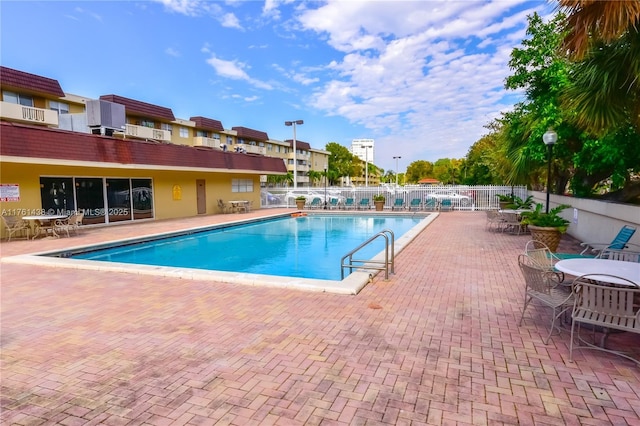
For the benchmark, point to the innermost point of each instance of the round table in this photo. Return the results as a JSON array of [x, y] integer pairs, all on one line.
[[618, 268]]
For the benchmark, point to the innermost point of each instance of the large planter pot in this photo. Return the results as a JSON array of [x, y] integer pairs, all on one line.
[[504, 204], [547, 235], [379, 205], [300, 204]]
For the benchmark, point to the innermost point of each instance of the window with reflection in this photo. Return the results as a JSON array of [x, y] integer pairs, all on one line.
[[119, 200], [142, 198]]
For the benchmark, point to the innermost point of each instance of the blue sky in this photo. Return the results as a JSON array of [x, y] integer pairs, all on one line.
[[422, 78]]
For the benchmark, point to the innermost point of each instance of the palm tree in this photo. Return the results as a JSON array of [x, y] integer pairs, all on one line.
[[592, 20], [603, 38]]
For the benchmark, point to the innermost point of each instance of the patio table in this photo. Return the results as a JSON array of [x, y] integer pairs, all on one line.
[[46, 221], [618, 268]]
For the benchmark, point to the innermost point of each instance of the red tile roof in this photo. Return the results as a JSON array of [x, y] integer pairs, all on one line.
[[254, 135], [299, 144], [23, 81], [207, 124], [19, 140], [141, 109]]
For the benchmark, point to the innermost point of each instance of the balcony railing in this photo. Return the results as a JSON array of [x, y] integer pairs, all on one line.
[[210, 142], [26, 114], [142, 132]]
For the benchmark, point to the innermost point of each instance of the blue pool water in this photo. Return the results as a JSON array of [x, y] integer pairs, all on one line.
[[306, 247]]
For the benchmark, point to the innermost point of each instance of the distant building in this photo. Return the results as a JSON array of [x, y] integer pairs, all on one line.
[[364, 149]]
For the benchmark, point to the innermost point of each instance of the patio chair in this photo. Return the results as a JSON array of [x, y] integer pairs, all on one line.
[[72, 223], [619, 242], [431, 204], [494, 220], [415, 204], [316, 203], [333, 203], [349, 204], [623, 255], [15, 225], [398, 204], [223, 207], [604, 307], [511, 223], [540, 287], [446, 204], [364, 204], [543, 257]]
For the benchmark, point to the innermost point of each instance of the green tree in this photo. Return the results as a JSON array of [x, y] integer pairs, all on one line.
[[419, 170], [341, 161]]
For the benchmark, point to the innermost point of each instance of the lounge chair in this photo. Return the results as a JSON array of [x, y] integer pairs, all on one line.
[[415, 204], [333, 203], [620, 242], [431, 204], [446, 204], [398, 204], [364, 204], [316, 203], [15, 225], [349, 204]]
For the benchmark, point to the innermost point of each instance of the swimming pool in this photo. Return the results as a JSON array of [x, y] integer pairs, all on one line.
[[351, 284], [306, 247]]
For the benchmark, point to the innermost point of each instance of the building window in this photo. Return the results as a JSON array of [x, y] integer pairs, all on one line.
[[61, 107], [269, 147], [241, 185], [230, 140], [166, 126], [16, 98], [184, 132], [201, 134], [216, 136], [147, 123]]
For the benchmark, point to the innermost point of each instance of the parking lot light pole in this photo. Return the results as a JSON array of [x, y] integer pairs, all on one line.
[[397, 158], [550, 138], [325, 187], [295, 154], [366, 165]]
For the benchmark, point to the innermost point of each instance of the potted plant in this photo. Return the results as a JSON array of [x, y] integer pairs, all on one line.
[[520, 204], [505, 200], [378, 201], [546, 227], [300, 202]]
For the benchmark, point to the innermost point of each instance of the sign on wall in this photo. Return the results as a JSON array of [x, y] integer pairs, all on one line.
[[9, 192]]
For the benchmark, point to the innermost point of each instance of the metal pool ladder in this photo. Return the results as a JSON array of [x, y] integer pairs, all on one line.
[[389, 256]]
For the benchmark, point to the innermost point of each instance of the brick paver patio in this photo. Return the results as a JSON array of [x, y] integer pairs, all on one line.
[[436, 344]]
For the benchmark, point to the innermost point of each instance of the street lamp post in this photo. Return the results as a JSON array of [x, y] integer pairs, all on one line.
[[397, 158], [366, 165], [325, 187], [295, 154], [550, 138]]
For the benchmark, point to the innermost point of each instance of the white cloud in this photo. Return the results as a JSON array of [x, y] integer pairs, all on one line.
[[235, 70], [172, 52]]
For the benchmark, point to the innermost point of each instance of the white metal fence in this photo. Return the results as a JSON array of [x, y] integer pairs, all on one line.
[[462, 197]]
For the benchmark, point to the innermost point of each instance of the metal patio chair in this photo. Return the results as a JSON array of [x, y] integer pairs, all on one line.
[[605, 307], [542, 288], [15, 225]]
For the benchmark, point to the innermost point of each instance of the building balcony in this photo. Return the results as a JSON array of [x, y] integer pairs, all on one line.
[[142, 132], [254, 149], [210, 142], [26, 114]]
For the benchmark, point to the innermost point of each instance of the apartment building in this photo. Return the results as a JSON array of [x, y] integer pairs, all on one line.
[[119, 159]]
